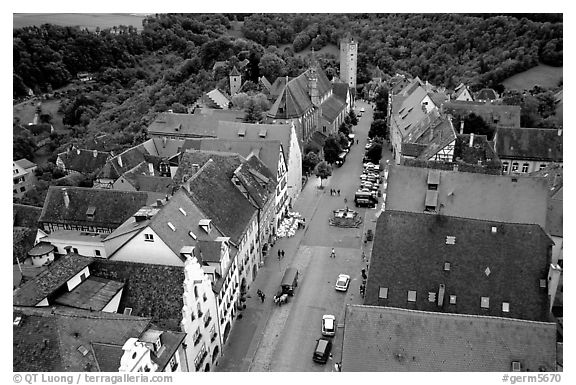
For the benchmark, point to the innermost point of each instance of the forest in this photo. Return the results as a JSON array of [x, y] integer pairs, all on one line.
[[169, 63]]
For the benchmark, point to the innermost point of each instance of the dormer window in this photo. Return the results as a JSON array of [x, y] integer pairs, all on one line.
[[485, 302], [90, 212], [157, 345], [206, 225]]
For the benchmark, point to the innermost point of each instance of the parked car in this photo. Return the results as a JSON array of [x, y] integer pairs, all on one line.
[[342, 282], [322, 350], [328, 325]]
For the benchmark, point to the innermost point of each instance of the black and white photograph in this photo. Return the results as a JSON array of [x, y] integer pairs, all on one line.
[[294, 192]]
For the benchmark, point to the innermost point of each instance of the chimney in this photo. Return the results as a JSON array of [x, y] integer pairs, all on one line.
[[559, 132], [66, 198], [441, 290], [95, 153], [471, 140], [462, 127], [151, 169], [164, 142], [120, 161], [554, 275]]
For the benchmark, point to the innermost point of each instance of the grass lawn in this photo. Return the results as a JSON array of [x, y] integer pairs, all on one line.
[[543, 75], [85, 20], [25, 111]]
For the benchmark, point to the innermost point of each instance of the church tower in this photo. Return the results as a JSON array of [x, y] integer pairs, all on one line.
[[348, 60], [235, 81]]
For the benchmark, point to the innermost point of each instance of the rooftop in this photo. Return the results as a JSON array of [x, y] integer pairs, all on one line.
[[542, 144], [92, 294], [84, 161], [466, 258], [50, 280], [470, 195], [501, 115], [397, 340], [25, 163], [202, 123]]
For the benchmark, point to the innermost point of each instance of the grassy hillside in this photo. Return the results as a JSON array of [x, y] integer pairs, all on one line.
[[25, 112], [542, 75], [84, 20]]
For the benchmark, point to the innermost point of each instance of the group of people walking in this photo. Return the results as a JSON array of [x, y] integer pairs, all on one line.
[[280, 254], [261, 295], [334, 192]]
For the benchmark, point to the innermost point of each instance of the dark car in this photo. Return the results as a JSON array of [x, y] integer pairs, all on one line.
[[322, 350]]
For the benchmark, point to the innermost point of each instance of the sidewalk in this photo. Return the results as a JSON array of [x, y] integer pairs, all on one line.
[[247, 333]]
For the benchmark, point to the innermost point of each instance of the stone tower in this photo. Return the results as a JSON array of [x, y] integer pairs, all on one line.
[[235, 81], [348, 60]]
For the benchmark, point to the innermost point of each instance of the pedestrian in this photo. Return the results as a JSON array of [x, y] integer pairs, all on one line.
[[279, 254], [333, 254], [345, 200], [338, 192], [282, 253], [356, 141], [262, 297]]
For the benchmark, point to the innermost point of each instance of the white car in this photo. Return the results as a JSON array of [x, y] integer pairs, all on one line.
[[342, 282], [328, 325]]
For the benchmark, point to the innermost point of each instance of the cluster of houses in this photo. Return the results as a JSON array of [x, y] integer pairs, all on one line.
[[466, 266], [149, 269]]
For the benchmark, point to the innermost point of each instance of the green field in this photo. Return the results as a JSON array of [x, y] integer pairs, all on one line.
[[542, 75], [84, 20], [25, 112]]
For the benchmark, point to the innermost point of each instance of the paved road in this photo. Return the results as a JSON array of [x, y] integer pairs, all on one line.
[[271, 338]]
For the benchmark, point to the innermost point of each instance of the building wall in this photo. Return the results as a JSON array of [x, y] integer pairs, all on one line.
[[228, 298], [78, 278], [294, 168], [557, 249], [523, 166], [22, 180], [140, 250], [112, 306], [87, 249], [348, 60]]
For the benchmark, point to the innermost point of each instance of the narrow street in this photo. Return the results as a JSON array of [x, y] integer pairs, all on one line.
[[272, 338]]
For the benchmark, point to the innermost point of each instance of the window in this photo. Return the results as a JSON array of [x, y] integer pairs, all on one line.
[[149, 237], [97, 252], [22, 189], [505, 166], [452, 300], [525, 167], [431, 296], [411, 295], [485, 302], [514, 166], [383, 293], [542, 166], [173, 363]]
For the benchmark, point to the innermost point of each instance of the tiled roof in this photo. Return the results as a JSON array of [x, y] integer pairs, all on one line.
[[165, 148], [260, 188], [25, 216], [107, 356], [112, 207], [25, 163], [92, 294], [410, 112], [234, 72], [267, 150], [340, 90], [470, 195], [47, 282], [438, 98], [480, 151], [52, 339], [219, 98], [265, 83], [502, 261], [185, 217], [529, 144], [170, 340], [412, 149], [493, 114], [278, 86], [442, 135], [123, 162], [202, 123], [213, 191], [84, 161], [154, 291], [554, 177], [486, 94], [281, 132], [210, 250], [383, 339], [319, 138], [332, 107]]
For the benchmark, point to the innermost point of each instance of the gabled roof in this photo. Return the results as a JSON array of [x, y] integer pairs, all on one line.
[[442, 135], [410, 111], [500, 115], [470, 195], [213, 191], [112, 207], [234, 72], [278, 86], [529, 144], [390, 339], [154, 291], [202, 123], [340, 90], [501, 261], [124, 162], [412, 149], [164, 148], [47, 282], [210, 250], [480, 151], [259, 187], [93, 293], [266, 150], [84, 161], [60, 339], [219, 98], [25, 216], [332, 107], [318, 138], [265, 83], [184, 216], [280, 132], [25, 163]]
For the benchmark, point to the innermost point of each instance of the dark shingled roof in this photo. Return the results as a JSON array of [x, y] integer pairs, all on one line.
[[25, 163], [554, 177], [486, 94], [50, 280], [150, 290], [378, 339], [481, 150], [332, 107], [22, 241], [210, 250], [112, 207], [123, 162], [259, 187], [499, 115], [107, 356], [410, 251], [84, 161], [340, 90], [202, 123], [412, 149], [213, 191], [529, 144], [48, 339], [92, 294], [26, 216]]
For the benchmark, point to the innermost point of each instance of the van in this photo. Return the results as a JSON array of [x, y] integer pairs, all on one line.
[[290, 281], [322, 350]]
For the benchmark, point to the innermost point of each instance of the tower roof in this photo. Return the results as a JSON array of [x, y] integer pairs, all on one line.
[[234, 72]]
